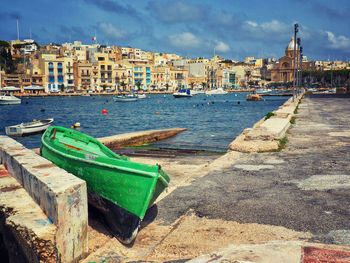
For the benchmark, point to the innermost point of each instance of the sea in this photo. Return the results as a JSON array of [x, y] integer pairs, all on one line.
[[213, 122]]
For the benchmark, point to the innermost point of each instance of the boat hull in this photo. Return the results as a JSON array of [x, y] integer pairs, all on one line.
[[124, 190], [31, 128], [10, 102], [124, 99]]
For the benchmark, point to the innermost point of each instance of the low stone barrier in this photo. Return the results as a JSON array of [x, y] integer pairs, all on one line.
[[265, 134], [60, 195], [141, 137]]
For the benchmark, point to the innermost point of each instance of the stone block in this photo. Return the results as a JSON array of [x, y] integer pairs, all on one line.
[[61, 196]]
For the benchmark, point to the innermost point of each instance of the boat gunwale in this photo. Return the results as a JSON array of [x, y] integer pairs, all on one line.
[[126, 169]]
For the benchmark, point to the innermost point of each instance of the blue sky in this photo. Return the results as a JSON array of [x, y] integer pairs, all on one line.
[[233, 28]]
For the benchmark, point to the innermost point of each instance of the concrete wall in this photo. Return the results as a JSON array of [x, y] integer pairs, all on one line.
[[60, 195]]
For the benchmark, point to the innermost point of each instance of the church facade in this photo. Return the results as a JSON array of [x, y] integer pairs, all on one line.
[[282, 71]]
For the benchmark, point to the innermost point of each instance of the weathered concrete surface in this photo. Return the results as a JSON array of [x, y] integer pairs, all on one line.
[[136, 138], [60, 195], [23, 220], [265, 134], [304, 187]]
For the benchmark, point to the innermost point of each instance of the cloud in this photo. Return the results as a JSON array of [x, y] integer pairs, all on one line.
[[112, 31], [10, 15], [222, 47], [176, 11], [184, 40], [267, 31], [113, 6], [338, 42]]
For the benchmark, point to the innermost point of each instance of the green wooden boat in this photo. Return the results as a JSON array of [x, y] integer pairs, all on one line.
[[122, 190]]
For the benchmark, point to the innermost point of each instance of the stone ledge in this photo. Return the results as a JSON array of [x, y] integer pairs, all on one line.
[[61, 196], [265, 134], [24, 221]]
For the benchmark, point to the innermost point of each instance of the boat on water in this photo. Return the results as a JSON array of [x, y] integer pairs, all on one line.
[[183, 93], [121, 190], [125, 98], [218, 91], [141, 96], [263, 90], [29, 128], [7, 99]]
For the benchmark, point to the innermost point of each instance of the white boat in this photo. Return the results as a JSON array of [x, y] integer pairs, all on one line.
[[218, 91], [7, 99], [28, 128], [183, 93], [125, 98], [263, 90], [141, 96]]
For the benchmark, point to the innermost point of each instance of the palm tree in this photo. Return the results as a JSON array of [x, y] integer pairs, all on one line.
[[123, 84], [138, 84], [192, 84], [204, 84], [167, 86]]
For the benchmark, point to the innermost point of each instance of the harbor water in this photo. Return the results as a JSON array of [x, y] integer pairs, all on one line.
[[212, 121]]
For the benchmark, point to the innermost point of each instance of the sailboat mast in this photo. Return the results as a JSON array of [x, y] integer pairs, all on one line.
[[17, 30]]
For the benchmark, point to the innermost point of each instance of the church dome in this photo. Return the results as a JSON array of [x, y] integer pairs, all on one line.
[[291, 45]]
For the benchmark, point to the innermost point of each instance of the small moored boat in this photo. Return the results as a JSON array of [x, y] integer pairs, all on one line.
[[218, 91], [183, 93], [28, 128], [7, 99], [121, 190], [125, 98]]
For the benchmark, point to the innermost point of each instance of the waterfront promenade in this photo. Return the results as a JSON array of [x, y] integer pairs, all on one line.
[[255, 207]]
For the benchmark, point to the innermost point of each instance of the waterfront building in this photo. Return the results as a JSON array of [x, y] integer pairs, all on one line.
[[178, 78], [105, 71], [53, 68], [160, 77], [142, 77], [228, 78], [84, 76], [242, 75]]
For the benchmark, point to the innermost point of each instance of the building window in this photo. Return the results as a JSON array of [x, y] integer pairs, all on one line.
[[52, 79], [102, 67], [50, 65], [148, 69], [109, 67]]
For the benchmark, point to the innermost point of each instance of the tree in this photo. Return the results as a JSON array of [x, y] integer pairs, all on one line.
[[62, 87], [138, 85], [123, 84], [167, 86], [204, 84], [192, 85]]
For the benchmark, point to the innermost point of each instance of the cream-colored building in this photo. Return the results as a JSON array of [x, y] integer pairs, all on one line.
[[53, 68]]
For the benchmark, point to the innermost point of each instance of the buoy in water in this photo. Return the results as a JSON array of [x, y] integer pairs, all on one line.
[[238, 102], [76, 125], [42, 110], [156, 112], [104, 111], [194, 106]]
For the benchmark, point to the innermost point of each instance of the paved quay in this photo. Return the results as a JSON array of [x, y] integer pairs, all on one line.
[[287, 206]]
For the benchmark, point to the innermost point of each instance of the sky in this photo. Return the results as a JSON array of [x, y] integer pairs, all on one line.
[[232, 29]]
